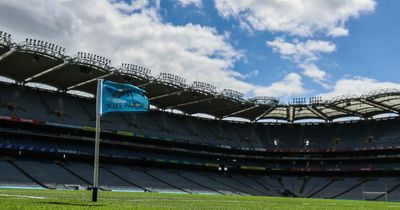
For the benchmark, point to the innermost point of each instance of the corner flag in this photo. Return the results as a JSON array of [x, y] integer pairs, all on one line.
[[114, 97]]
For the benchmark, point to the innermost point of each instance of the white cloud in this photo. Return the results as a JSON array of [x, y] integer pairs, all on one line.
[[312, 70], [358, 86], [196, 3], [338, 31], [250, 74], [290, 85], [136, 5], [304, 54], [135, 33], [295, 17], [123, 32], [301, 51]]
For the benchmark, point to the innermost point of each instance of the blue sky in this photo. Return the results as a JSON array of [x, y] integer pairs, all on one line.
[[280, 48], [372, 48]]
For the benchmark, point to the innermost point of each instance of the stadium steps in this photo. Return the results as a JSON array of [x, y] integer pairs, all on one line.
[[160, 180], [303, 185], [264, 136], [188, 126], [336, 134], [301, 139], [267, 141], [233, 135], [216, 136], [349, 189], [62, 165], [322, 188], [12, 162], [259, 183], [126, 120], [192, 181], [86, 110], [242, 136], [270, 187], [228, 185], [286, 188], [249, 186], [255, 137], [131, 124], [312, 185], [159, 125], [45, 105], [125, 180], [389, 191], [280, 181]]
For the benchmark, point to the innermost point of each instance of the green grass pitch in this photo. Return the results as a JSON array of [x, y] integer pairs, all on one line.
[[64, 199]]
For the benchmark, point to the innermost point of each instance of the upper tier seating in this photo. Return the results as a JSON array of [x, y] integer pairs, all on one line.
[[25, 102]]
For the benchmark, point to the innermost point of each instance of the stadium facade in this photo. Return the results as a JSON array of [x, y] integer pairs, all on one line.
[[47, 137]]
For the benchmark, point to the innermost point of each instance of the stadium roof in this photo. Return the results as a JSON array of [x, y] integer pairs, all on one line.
[[42, 62]]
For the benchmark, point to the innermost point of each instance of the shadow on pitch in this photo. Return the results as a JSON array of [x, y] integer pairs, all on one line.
[[70, 204]]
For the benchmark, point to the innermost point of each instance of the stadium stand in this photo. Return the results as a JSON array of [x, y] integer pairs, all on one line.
[[335, 149]]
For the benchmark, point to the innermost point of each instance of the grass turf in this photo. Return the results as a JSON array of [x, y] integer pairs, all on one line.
[[63, 199]]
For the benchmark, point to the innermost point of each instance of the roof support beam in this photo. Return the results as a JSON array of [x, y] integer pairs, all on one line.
[[318, 112], [223, 107], [264, 113], [332, 106], [166, 95], [190, 103], [45, 72], [89, 81], [290, 113], [8, 53], [144, 84], [386, 99], [241, 111], [393, 93], [380, 106]]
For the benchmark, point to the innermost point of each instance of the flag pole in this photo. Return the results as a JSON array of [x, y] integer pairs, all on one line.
[[95, 187]]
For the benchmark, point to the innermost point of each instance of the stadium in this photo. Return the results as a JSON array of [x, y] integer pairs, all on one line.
[[333, 149]]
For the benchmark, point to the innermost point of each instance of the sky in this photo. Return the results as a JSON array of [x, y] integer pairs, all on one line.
[[278, 48]]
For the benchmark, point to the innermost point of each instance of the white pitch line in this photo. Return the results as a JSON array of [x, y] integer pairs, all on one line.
[[22, 196], [178, 200]]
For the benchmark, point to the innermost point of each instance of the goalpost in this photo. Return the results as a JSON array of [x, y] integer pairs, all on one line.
[[373, 195]]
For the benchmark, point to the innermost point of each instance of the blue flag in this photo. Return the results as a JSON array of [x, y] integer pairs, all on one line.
[[118, 97]]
